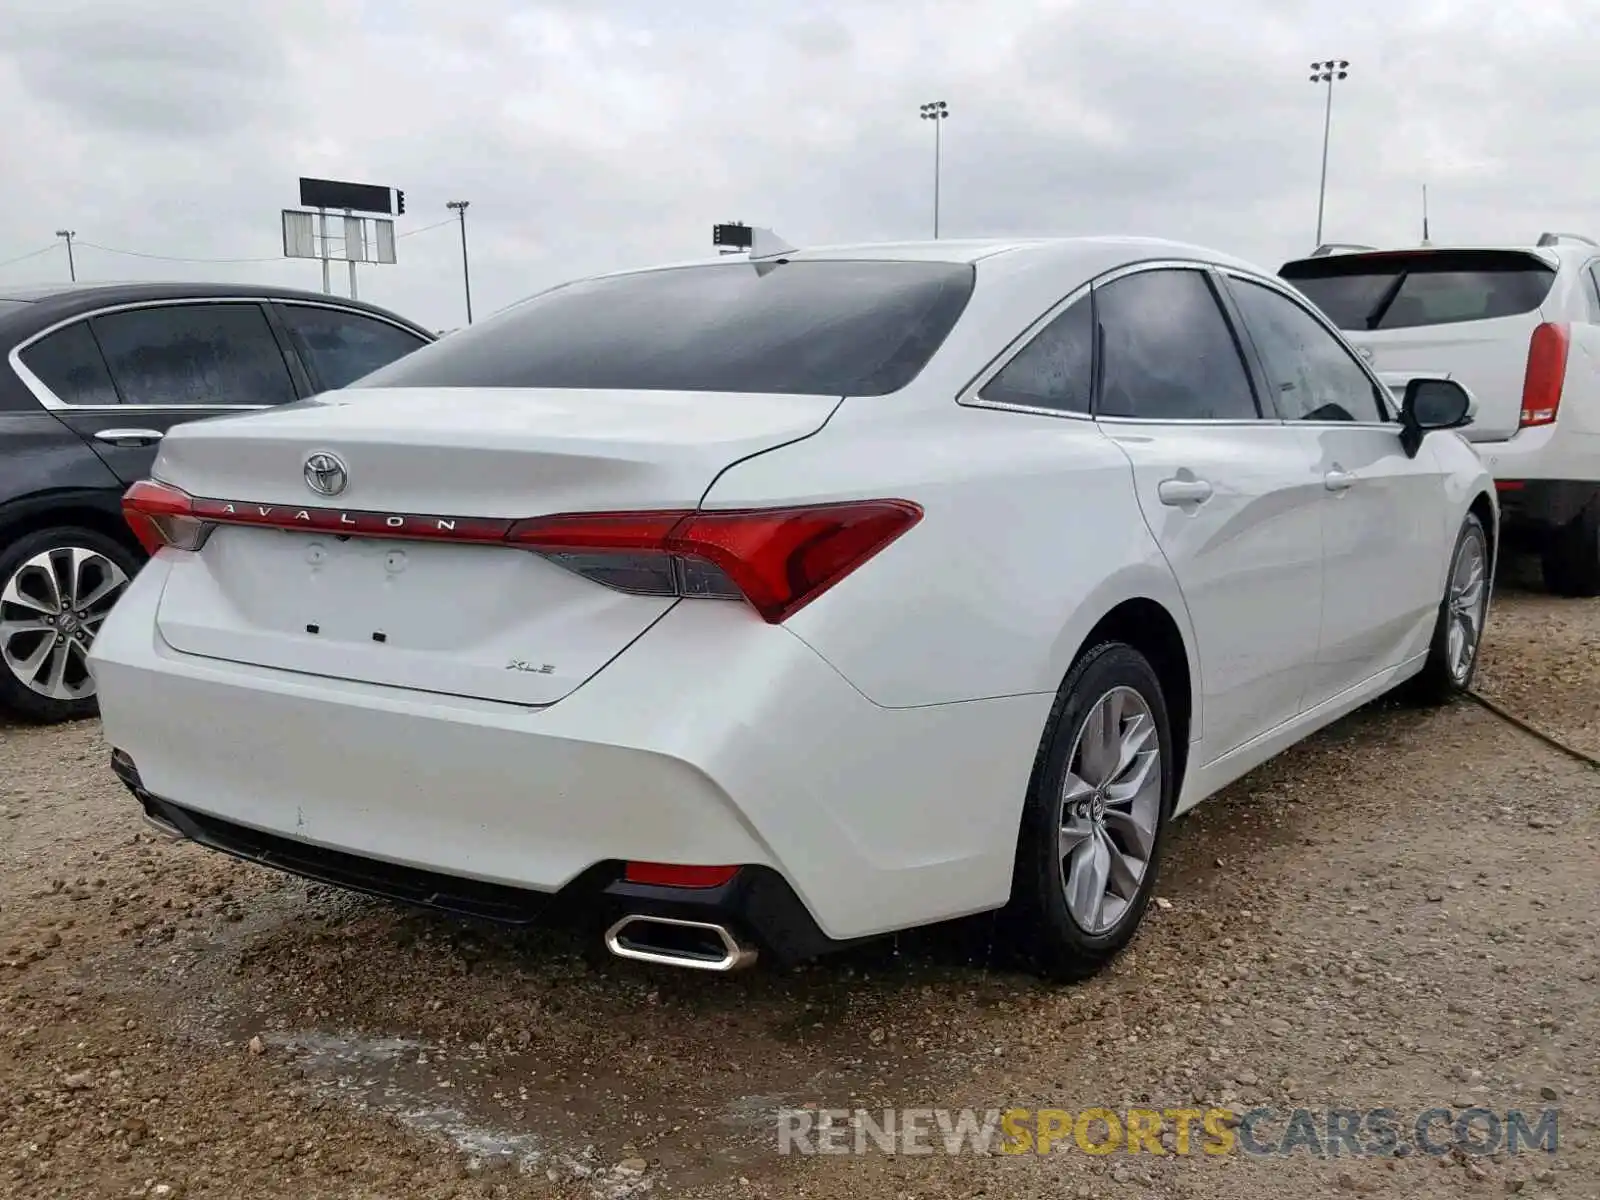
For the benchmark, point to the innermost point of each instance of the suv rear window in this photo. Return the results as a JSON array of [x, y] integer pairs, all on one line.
[[1429, 287], [829, 327]]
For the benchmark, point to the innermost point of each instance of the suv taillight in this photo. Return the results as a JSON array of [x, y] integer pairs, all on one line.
[[1547, 371]]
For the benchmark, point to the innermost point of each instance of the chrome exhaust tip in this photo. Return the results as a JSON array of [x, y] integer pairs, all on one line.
[[672, 942]]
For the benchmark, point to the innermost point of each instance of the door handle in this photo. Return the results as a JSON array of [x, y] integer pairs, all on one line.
[[1183, 491], [128, 437], [1338, 480]]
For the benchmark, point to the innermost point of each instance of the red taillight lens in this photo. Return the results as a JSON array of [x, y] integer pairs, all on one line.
[[778, 559], [1547, 371], [674, 875], [162, 515]]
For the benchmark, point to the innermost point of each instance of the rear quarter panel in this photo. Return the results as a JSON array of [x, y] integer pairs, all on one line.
[[1031, 534]]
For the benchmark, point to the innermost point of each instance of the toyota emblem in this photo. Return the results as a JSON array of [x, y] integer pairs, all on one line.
[[325, 474]]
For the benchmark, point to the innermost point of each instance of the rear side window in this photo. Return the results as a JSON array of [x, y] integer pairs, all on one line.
[[830, 328], [1408, 291], [68, 362], [339, 347], [1167, 353], [1055, 370], [195, 355]]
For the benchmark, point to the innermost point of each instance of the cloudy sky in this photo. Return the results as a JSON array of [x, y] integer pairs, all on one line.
[[610, 133]]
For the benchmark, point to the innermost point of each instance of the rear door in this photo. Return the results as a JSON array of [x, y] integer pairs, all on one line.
[[1470, 313], [1232, 497], [1383, 515], [339, 345], [121, 379]]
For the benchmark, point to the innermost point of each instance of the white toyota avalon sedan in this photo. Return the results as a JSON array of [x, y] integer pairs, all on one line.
[[769, 604]]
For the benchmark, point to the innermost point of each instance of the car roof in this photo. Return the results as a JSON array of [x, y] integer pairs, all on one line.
[[49, 303], [1054, 252]]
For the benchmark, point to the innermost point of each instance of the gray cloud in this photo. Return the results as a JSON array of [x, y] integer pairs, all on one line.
[[603, 135]]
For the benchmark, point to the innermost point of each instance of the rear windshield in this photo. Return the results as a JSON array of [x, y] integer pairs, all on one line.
[[1404, 291], [829, 328]]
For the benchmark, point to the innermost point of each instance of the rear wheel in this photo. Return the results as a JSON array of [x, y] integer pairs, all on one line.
[[1095, 817], [1463, 611], [56, 588], [1572, 557]]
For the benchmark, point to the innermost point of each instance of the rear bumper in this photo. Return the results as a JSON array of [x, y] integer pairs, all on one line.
[[757, 904], [713, 740], [1531, 508]]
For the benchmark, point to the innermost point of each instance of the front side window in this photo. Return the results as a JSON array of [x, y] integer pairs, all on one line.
[[339, 347], [1167, 353], [194, 355], [68, 362], [1311, 375], [1055, 370], [804, 327]]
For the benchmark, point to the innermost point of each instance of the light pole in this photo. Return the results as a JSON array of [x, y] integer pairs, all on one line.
[[72, 267], [937, 112], [460, 209], [1326, 72]]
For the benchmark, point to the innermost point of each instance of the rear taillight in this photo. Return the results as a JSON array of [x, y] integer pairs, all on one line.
[[160, 515], [777, 559], [1547, 371]]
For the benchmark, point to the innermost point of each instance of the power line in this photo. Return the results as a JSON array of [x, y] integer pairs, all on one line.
[[425, 228], [180, 259], [173, 258], [30, 254]]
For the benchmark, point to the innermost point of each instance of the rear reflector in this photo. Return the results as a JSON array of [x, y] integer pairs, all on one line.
[[672, 875], [1547, 371], [776, 559]]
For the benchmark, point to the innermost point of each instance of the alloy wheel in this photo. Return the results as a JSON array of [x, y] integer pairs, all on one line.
[[1466, 604], [1110, 809], [50, 610]]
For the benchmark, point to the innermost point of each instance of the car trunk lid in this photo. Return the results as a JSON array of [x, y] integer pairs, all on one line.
[[397, 579]]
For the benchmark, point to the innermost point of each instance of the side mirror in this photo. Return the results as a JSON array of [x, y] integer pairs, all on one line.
[[1430, 404]]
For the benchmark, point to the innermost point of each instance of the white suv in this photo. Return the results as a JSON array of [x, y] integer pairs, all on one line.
[[1520, 327]]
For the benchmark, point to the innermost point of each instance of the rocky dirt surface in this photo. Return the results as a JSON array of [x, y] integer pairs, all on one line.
[[1399, 914]]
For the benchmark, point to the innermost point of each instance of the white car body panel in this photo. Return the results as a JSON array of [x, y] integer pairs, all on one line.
[[875, 748]]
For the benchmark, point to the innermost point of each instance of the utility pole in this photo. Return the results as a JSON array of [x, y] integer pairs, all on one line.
[[72, 267], [1326, 72], [460, 209], [937, 112]]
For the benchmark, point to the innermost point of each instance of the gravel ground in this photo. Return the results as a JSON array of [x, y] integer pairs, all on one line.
[[1398, 914]]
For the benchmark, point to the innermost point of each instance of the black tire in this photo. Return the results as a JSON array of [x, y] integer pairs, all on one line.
[[1045, 935], [16, 696], [1571, 560], [1442, 678]]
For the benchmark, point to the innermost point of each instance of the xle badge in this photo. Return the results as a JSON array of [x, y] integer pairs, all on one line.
[[516, 664]]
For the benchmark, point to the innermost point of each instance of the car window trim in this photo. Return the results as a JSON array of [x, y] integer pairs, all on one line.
[[1208, 272], [971, 396], [1381, 390], [53, 403]]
